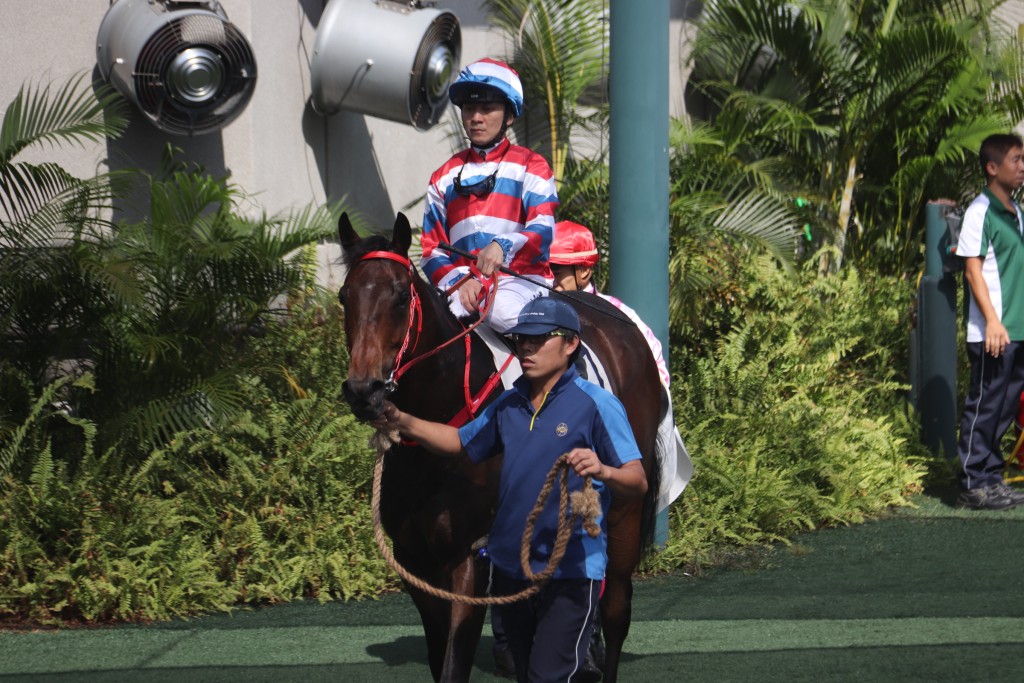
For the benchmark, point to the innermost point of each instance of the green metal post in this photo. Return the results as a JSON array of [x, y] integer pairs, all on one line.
[[934, 340], [638, 232]]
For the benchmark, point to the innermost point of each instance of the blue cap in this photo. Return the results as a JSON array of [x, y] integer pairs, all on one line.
[[545, 314]]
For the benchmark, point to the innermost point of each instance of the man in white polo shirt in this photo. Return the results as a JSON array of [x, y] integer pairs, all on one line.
[[992, 246]]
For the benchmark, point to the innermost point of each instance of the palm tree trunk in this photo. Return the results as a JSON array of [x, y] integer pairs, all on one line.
[[831, 261]]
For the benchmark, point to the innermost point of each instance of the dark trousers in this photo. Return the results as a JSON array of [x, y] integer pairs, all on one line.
[[992, 403], [549, 632]]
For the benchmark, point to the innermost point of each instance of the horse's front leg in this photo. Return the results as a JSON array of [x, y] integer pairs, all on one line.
[[452, 629], [616, 613], [434, 617], [466, 622]]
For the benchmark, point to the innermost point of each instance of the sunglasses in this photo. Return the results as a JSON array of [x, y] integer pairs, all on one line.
[[477, 189], [538, 339]]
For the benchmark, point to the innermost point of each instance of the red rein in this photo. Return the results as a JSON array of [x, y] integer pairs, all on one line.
[[472, 403]]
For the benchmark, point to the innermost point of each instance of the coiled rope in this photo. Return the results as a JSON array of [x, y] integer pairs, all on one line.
[[585, 504]]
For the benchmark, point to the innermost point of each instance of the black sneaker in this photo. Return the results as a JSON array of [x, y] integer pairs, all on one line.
[[996, 497], [588, 673], [1010, 492], [504, 665]]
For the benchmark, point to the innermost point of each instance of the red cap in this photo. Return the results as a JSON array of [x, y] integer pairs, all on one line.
[[573, 245]]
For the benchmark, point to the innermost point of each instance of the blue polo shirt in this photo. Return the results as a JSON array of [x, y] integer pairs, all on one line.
[[574, 414]]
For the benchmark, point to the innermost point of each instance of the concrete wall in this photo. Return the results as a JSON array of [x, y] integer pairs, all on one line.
[[279, 149]]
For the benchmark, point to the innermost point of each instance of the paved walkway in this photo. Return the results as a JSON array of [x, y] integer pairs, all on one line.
[[928, 595]]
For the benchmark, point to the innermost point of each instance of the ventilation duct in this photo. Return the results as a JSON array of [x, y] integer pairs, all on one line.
[[187, 68], [393, 60]]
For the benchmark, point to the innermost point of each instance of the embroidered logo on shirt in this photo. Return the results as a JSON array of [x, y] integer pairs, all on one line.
[[562, 429]]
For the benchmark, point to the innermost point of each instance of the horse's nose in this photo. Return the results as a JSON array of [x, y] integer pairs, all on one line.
[[365, 397]]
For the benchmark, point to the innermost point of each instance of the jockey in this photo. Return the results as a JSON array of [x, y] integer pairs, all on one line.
[[573, 257], [494, 199]]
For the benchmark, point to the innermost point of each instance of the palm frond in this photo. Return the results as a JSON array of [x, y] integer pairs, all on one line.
[[558, 48], [72, 113], [761, 219], [201, 404]]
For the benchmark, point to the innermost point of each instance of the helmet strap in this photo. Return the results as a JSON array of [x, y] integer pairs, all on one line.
[[586, 279]]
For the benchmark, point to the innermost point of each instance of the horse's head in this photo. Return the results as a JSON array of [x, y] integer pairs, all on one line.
[[377, 296]]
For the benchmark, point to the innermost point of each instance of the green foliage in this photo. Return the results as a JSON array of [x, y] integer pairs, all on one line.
[[559, 49], [795, 418], [870, 108], [193, 283], [164, 449], [306, 351], [722, 207], [271, 506], [90, 540], [47, 217], [159, 311], [285, 501]]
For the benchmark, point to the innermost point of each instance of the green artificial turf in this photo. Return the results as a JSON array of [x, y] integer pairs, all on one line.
[[926, 595]]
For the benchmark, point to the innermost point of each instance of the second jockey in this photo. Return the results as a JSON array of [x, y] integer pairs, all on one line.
[[573, 258]]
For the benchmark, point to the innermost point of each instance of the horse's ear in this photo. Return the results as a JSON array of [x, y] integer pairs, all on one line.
[[346, 233], [401, 236]]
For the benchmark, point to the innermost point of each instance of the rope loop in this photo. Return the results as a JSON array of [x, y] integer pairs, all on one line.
[[583, 503]]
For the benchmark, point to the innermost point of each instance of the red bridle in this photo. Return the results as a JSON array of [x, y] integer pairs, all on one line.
[[416, 318]]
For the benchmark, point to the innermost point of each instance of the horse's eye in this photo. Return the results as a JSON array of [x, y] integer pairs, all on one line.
[[403, 299], [341, 296]]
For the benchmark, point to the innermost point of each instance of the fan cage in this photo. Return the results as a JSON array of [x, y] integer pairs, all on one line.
[[424, 108], [223, 40]]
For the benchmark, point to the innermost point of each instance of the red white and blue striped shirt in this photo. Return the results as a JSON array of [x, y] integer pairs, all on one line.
[[518, 213]]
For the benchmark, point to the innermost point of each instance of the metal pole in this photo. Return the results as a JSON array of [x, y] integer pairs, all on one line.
[[638, 232], [934, 376]]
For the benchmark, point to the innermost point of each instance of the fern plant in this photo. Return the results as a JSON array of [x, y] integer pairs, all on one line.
[[796, 417], [272, 505]]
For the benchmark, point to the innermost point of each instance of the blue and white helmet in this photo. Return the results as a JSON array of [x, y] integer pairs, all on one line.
[[487, 81]]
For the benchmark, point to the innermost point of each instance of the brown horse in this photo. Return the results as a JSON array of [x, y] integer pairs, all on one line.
[[434, 509]]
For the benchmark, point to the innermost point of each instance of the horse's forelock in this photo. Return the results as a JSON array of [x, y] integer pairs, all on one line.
[[364, 247]]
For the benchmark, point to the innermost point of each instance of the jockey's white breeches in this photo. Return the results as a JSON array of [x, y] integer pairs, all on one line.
[[513, 293]]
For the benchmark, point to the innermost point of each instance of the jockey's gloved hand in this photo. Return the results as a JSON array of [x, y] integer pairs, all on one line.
[[452, 276]]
